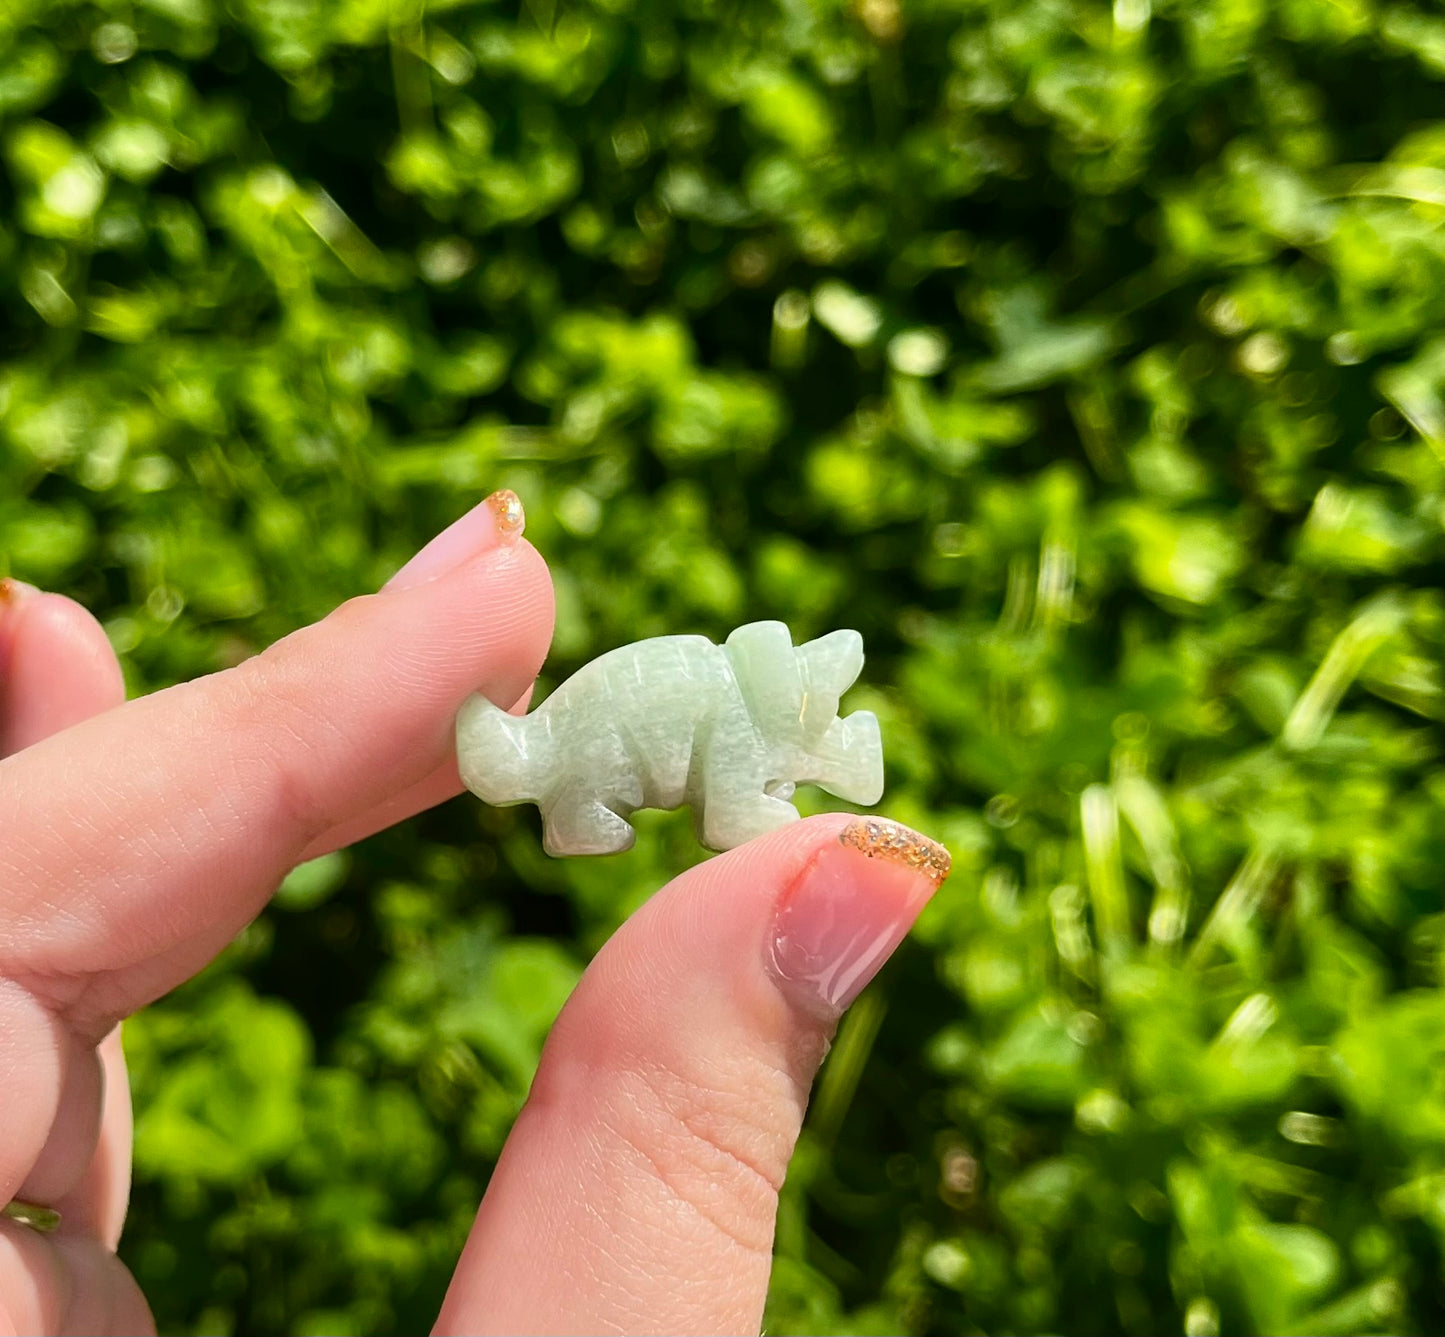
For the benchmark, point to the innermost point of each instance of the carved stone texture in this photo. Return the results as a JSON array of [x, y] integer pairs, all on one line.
[[729, 730]]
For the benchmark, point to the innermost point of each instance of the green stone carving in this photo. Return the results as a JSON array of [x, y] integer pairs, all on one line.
[[729, 730]]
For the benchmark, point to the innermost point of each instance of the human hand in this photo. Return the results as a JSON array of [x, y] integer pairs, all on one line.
[[639, 1188]]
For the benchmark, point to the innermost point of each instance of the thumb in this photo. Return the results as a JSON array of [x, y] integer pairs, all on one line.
[[639, 1188]]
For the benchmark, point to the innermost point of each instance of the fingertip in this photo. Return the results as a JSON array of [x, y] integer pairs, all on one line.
[[494, 521], [784, 931], [444, 782], [533, 600], [673, 1086], [844, 915], [59, 668], [14, 595], [13, 591]]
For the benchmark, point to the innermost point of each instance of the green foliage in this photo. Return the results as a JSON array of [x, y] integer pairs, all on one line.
[[1089, 358]]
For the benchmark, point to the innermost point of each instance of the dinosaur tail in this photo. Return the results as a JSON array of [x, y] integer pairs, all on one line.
[[503, 758]]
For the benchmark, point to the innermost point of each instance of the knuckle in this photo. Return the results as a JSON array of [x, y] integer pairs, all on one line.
[[715, 1141]]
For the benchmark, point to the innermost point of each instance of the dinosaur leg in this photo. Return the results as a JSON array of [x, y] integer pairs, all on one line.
[[576, 822], [849, 760], [741, 794], [733, 816]]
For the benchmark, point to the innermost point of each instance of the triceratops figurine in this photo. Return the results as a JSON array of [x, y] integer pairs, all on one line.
[[728, 729]]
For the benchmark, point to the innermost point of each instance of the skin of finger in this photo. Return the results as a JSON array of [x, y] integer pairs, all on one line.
[[68, 1151], [97, 1205], [145, 838], [66, 1284], [59, 670], [638, 1190], [35, 1052]]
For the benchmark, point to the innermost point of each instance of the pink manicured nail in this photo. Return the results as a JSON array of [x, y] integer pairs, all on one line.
[[851, 906], [499, 518]]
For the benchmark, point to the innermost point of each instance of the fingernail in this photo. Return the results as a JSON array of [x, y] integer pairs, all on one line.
[[12, 591], [498, 519], [851, 906]]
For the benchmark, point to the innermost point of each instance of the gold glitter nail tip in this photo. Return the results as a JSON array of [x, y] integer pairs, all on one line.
[[506, 506], [12, 591], [881, 839]]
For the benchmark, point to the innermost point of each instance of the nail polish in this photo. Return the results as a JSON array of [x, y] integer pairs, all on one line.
[[848, 910], [12, 591], [498, 519]]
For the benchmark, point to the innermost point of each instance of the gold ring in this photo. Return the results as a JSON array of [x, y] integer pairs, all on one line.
[[32, 1214]]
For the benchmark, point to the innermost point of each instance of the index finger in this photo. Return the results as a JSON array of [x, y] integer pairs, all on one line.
[[139, 842]]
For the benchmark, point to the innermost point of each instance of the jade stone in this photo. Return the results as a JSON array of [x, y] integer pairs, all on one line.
[[729, 730]]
